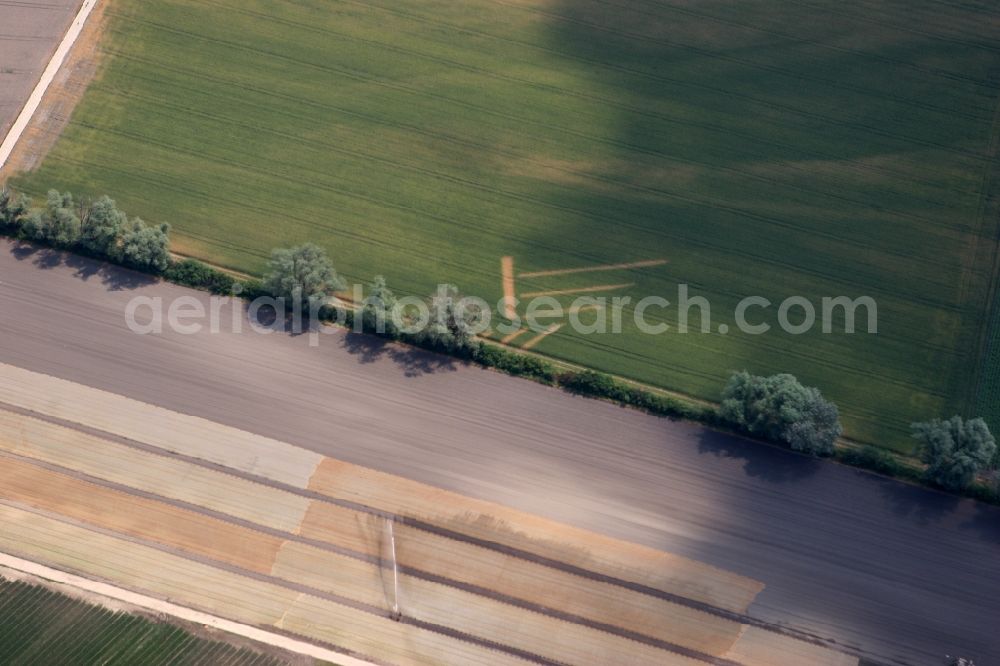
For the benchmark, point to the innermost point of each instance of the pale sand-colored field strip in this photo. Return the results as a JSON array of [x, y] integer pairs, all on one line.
[[137, 517], [533, 342], [188, 435], [244, 599], [473, 574], [581, 290], [473, 614], [161, 475], [507, 280]]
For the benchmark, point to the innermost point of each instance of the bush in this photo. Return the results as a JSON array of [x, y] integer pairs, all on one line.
[[377, 309], [875, 459], [513, 363], [143, 247], [13, 208], [57, 224], [780, 409], [193, 273], [955, 450], [450, 327], [986, 491], [104, 232], [102, 227], [250, 289], [596, 384], [601, 385], [302, 273]]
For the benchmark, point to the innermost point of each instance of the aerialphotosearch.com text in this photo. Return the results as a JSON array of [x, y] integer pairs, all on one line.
[[586, 315]]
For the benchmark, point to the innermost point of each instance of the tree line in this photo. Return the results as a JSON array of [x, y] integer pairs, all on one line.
[[99, 229], [780, 409], [776, 408]]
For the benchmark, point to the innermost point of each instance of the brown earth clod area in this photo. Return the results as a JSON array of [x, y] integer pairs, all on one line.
[[136, 517]]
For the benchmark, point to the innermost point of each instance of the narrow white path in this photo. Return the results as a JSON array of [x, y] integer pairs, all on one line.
[[180, 612], [21, 124]]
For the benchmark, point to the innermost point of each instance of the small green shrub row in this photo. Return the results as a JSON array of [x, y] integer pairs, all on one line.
[[584, 382], [877, 460], [600, 385], [197, 275], [883, 462], [518, 365]]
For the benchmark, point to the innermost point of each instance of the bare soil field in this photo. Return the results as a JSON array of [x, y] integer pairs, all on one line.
[[185, 510]]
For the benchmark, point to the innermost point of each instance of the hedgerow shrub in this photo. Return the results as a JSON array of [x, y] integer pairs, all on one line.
[[195, 274]]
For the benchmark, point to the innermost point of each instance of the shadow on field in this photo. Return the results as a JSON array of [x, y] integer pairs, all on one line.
[[917, 504], [365, 348], [414, 362], [986, 522], [115, 278], [766, 463]]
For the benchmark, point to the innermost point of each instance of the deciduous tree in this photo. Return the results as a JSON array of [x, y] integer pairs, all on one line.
[[102, 227], [57, 224], [303, 273], [13, 208], [451, 327], [144, 247], [781, 409], [376, 312], [954, 449]]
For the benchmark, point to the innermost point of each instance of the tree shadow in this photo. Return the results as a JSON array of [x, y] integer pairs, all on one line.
[[367, 348], [21, 250], [985, 521], [414, 362], [760, 461], [917, 503], [115, 278]]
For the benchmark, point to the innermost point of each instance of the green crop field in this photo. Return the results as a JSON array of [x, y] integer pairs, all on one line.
[[773, 148], [39, 626]]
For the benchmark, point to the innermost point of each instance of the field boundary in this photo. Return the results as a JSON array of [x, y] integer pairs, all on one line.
[[34, 100], [180, 612]]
